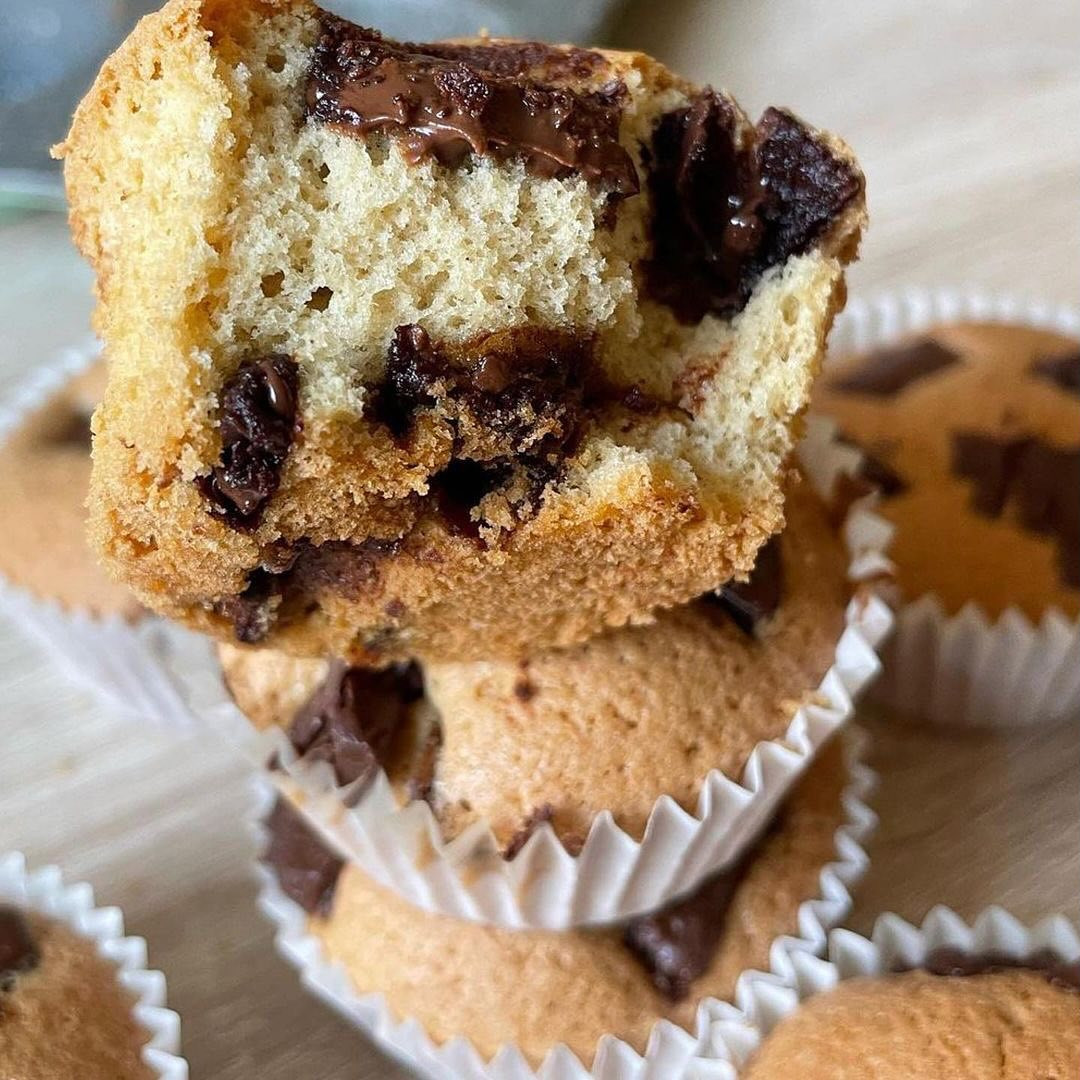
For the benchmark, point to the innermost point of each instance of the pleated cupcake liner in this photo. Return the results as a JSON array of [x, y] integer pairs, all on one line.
[[967, 669], [763, 999], [44, 891], [615, 876], [127, 665], [671, 1052]]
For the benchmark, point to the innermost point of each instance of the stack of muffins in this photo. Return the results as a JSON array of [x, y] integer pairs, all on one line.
[[456, 388]]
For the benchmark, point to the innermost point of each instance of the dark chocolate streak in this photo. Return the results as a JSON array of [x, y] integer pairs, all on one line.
[[886, 372], [448, 102], [305, 868], [258, 424], [1040, 480], [1063, 370], [748, 604], [724, 211], [953, 962], [18, 950], [353, 717], [677, 944]]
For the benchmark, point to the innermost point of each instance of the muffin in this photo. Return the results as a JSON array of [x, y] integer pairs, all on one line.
[[44, 478], [612, 724], [63, 1013], [972, 435], [478, 366], [966, 1017], [466, 979]]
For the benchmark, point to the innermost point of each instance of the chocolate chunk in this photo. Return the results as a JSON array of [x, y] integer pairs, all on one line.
[[461, 487], [952, 962], [749, 603], [1063, 370], [258, 424], [18, 950], [351, 569], [728, 206], [517, 386], [1040, 480], [888, 371], [451, 102], [352, 718], [252, 612], [875, 471], [677, 943], [528, 827], [306, 869]]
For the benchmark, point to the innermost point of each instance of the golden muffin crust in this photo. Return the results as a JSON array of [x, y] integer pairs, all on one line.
[[44, 478], [262, 244], [994, 385], [68, 1016], [1011, 1025]]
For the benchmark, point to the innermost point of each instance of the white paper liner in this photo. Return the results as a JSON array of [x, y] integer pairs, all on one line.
[[45, 892], [671, 1051], [968, 670], [615, 876], [762, 999], [128, 665]]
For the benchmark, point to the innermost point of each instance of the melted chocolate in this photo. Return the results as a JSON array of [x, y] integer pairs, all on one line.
[[258, 425], [727, 208], [450, 102], [512, 384], [677, 943], [748, 604], [18, 950], [252, 612], [1041, 481], [352, 718], [886, 372], [339, 566], [952, 962], [306, 869], [1062, 370]]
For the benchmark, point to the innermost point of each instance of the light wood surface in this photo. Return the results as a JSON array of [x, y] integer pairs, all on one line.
[[964, 115]]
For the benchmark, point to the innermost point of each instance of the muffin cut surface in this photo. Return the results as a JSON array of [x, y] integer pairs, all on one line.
[[442, 350]]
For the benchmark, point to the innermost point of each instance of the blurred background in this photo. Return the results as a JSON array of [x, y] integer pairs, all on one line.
[[964, 114]]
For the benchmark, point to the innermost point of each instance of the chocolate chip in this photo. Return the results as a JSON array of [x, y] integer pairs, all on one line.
[[875, 471], [525, 689], [949, 961], [1040, 480], [461, 487], [888, 371], [727, 208], [252, 612], [18, 950], [677, 943], [749, 603], [350, 569], [352, 718], [452, 102], [258, 425], [306, 869], [533, 822], [1062, 370]]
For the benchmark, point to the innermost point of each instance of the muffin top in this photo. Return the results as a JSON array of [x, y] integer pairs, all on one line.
[[463, 978], [973, 435], [612, 724], [966, 1018], [62, 1010], [44, 477]]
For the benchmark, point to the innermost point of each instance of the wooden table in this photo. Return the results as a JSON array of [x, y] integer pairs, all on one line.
[[965, 118]]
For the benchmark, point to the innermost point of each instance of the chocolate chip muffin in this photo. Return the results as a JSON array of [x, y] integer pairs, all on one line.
[[459, 978], [44, 477], [612, 724], [963, 1017], [447, 350], [971, 432], [62, 1011]]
